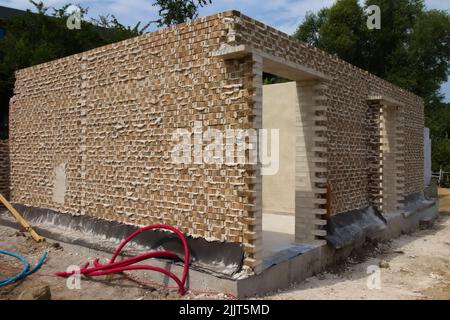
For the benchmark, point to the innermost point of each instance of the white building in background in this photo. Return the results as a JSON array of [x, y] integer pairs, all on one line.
[[427, 157]]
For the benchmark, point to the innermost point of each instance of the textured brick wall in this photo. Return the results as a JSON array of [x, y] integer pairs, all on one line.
[[91, 133], [4, 168], [348, 124], [100, 124]]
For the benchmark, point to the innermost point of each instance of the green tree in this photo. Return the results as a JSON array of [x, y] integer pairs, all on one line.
[[389, 53], [178, 11], [309, 30], [441, 155], [412, 50], [342, 30], [40, 36]]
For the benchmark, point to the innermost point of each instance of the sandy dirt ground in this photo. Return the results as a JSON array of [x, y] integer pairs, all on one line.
[[414, 266], [62, 255]]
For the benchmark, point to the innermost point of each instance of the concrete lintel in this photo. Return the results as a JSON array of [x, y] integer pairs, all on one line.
[[271, 64], [386, 100], [287, 69], [228, 52]]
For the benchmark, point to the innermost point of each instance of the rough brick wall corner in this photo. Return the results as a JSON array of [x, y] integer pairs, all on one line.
[[4, 168]]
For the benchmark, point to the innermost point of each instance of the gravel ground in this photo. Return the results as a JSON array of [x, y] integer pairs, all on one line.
[[63, 255], [414, 266]]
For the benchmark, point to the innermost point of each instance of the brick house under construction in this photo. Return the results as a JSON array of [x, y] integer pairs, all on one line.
[[90, 136]]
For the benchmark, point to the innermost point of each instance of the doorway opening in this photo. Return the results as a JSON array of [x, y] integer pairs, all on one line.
[[391, 159], [280, 108], [292, 200]]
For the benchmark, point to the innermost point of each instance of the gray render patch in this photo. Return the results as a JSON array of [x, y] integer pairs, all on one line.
[[59, 184]]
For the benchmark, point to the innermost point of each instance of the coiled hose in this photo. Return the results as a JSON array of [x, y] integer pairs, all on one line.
[[126, 264], [26, 267]]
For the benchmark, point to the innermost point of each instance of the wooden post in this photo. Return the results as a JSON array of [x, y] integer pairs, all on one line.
[[21, 220]]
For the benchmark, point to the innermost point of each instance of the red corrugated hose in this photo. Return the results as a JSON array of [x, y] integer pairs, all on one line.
[[127, 264]]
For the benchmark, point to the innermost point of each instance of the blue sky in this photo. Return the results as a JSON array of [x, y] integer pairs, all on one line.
[[281, 14]]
